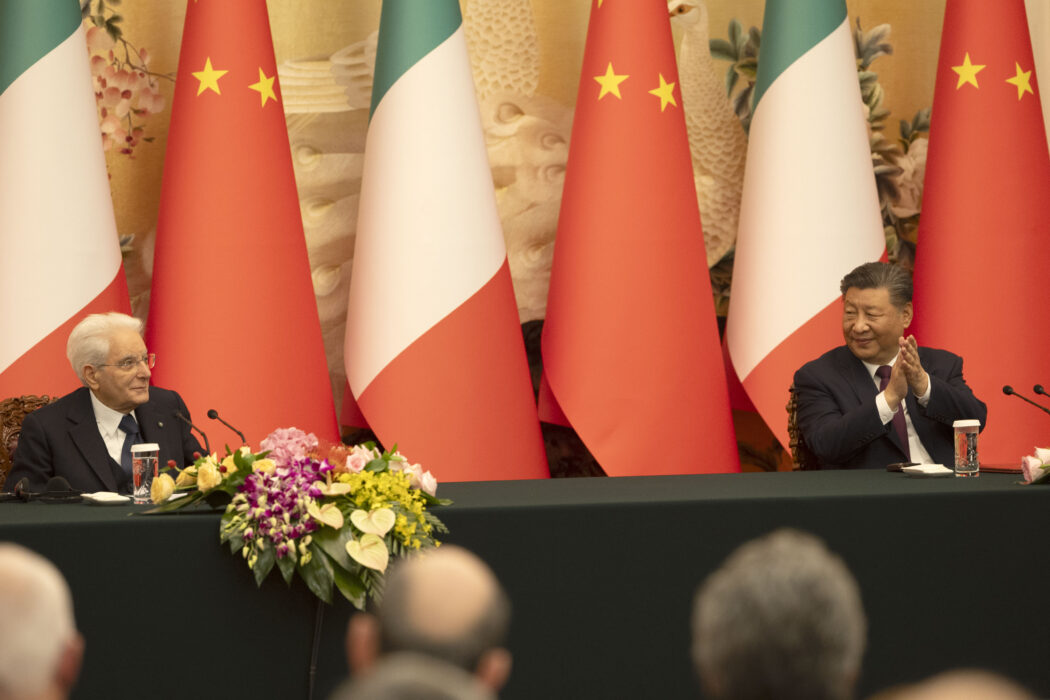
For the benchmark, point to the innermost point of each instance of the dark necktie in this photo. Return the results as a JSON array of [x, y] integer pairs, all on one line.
[[131, 436], [899, 425]]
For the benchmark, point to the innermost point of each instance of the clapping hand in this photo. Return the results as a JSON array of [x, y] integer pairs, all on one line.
[[911, 367]]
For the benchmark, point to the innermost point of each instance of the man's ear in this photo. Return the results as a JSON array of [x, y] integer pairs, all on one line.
[[908, 313], [494, 668], [90, 373], [362, 643], [69, 661]]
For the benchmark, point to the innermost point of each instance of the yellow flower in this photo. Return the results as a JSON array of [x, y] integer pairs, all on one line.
[[265, 466], [163, 486], [187, 477], [208, 476], [230, 466]]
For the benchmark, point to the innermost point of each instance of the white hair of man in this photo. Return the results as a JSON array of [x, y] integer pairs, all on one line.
[[88, 343], [36, 622], [781, 618]]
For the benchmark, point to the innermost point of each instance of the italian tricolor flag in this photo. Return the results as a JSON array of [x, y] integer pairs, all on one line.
[[434, 354], [59, 254], [809, 211]]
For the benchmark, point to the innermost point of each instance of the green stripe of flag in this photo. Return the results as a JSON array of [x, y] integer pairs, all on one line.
[[29, 30], [408, 31], [790, 28]]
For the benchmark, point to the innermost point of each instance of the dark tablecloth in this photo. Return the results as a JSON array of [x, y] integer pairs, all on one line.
[[601, 573]]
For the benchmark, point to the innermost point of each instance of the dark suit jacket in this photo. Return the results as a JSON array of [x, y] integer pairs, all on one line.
[[840, 423], [62, 439]]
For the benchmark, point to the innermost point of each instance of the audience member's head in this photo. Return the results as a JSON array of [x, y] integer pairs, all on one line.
[[445, 604], [966, 685], [407, 676], [40, 649], [781, 618]]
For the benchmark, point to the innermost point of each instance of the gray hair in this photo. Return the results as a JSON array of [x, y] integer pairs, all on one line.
[[88, 343], [781, 618], [879, 275], [36, 621], [410, 594]]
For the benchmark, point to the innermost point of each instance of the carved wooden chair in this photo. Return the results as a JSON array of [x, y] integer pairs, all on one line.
[[802, 458], [12, 412]]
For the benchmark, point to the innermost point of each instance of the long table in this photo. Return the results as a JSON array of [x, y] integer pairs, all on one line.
[[601, 573]]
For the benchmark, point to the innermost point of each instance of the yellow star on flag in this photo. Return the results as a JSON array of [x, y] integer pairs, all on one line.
[[665, 92], [264, 87], [610, 82], [209, 78], [1022, 80], [967, 72]]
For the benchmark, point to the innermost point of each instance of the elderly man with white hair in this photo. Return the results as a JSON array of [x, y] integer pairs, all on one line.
[[781, 618], [86, 436], [40, 648]]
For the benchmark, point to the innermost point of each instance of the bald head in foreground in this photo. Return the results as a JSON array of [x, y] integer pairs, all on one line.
[[40, 648], [781, 618], [445, 604], [966, 685]]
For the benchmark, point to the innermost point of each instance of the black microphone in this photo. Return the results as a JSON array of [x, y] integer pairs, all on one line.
[[184, 419], [58, 490], [214, 415], [1009, 391], [1038, 388]]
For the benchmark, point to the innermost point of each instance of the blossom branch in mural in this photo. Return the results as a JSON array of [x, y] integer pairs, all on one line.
[[126, 90]]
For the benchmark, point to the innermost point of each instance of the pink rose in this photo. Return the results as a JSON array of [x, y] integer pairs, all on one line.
[[429, 483], [1030, 468], [359, 457]]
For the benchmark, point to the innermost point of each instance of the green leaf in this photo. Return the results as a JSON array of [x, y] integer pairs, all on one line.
[[731, 79], [735, 30], [333, 542], [347, 582], [287, 566], [318, 575], [177, 504], [376, 465], [722, 49], [264, 563], [748, 69], [219, 497], [754, 37]]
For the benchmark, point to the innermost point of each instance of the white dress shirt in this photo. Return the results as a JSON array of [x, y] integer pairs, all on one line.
[[918, 452], [108, 422]]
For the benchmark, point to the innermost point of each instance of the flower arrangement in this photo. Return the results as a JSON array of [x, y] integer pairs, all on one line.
[[336, 520], [1036, 468]]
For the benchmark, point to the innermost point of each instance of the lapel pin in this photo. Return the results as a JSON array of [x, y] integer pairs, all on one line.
[[160, 424]]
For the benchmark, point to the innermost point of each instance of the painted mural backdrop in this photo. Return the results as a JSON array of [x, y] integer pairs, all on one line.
[[526, 57]]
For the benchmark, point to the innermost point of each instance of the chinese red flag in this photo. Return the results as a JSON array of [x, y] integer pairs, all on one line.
[[630, 343], [233, 318], [984, 235]]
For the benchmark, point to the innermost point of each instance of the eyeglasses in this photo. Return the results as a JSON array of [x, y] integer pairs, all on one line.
[[130, 363]]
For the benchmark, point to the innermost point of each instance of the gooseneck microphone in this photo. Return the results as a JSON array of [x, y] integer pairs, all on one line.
[[184, 419], [1038, 388], [1009, 391], [214, 415]]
